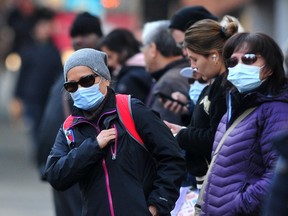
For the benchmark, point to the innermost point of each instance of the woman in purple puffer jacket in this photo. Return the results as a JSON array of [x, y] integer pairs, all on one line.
[[241, 174]]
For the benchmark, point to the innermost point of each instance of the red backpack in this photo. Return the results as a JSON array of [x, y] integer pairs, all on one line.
[[123, 105]]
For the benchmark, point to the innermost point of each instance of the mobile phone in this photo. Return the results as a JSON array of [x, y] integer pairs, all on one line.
[[166, 97]]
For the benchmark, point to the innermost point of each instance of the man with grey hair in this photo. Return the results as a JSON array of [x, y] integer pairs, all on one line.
[[164, 60]]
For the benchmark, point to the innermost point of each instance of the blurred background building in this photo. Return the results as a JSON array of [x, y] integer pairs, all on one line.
[[266, 16]]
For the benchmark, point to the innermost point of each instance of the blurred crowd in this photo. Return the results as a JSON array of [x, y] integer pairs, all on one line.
[[221, 91]]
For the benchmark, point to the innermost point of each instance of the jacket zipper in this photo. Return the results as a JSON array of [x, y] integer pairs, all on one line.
[[108, 187], [114, 151], [107, 181]]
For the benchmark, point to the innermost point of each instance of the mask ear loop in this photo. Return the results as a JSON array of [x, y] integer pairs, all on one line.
[[269, 73], [262, 66]]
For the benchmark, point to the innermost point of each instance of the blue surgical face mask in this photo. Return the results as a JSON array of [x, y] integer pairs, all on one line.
[[245, 77], [195, 90], [88, 98]]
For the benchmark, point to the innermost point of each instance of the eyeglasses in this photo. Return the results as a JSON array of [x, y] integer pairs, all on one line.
[[85, 81], [247, 59]]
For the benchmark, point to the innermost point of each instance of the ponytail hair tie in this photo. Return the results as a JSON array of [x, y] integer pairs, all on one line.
[[222, 31]]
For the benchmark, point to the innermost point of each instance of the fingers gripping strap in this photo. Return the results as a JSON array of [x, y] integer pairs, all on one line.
[[125, 114]]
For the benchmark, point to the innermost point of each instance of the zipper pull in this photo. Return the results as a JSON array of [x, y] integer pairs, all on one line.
[[114, 151]]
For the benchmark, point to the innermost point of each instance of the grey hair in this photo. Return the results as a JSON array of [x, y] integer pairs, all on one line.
[[158, 32]]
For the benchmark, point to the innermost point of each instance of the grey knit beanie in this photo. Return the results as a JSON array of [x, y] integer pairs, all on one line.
[[94, 59]]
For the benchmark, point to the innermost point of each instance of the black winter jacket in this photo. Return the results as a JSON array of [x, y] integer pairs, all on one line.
[[134, 80], [138, 177], [197, 139]]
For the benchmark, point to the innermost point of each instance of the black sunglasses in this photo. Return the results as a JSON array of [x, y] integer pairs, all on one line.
[[85, 81], [247, 59]]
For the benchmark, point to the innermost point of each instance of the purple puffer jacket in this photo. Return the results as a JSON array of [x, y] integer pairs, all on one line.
[[242, 172]]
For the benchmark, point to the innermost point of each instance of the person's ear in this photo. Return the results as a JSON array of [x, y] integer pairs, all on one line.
[[107, 82], [215, 55], [153, 50], [265, 74]]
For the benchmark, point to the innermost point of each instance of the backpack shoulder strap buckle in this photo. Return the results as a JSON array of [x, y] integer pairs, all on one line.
[[68, 131]]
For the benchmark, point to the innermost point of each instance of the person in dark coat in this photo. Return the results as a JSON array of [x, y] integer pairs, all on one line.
[[21, 21], [85, 32], [126, 63], [117, 175], [40, 67]]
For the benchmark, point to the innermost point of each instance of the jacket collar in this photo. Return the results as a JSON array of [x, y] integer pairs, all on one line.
[[158, 74], [238, 103]]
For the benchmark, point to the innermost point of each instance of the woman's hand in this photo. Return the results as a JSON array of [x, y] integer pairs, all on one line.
[[153, 210], [106, 136], [173, 127], [175, 106]]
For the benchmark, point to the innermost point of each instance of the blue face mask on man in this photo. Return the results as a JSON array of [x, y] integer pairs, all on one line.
[[88, 98], [245, 77]]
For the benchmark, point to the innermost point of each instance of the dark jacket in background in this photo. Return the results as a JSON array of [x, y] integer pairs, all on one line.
[[66, 202], [133, 79], [52, 119], [41, 65]]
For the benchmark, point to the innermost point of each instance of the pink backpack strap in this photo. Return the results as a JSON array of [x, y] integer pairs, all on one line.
[[125, 114]]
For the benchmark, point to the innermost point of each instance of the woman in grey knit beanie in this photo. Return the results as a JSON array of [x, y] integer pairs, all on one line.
[[118, 174], [89, 66]]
